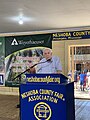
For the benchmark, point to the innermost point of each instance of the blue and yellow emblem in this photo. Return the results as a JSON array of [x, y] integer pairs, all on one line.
[[42, 111]]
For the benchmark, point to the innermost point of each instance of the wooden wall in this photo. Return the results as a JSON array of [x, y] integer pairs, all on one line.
[[61, 49]]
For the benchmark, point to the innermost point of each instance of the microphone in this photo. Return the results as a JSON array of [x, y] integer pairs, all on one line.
[[40, 63], [48, 60]]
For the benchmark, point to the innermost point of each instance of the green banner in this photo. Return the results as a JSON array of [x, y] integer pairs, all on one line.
[[21, 52], [16, 43], [2, 60]]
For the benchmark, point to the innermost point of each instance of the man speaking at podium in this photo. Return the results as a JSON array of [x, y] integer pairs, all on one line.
[[49, 64]]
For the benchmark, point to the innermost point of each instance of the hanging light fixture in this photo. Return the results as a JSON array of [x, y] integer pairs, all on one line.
[[20, 22]]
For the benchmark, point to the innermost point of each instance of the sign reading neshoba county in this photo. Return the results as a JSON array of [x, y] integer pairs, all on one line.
[[72, 35]]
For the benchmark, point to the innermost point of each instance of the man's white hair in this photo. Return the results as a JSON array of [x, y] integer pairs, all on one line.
[[47, 49]]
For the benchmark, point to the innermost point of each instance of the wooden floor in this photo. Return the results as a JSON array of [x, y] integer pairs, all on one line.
[[82, 109], [8, 110]]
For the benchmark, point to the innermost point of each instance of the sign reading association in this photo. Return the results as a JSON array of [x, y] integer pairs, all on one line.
[[42, 110], [47, 102], [42, 94]]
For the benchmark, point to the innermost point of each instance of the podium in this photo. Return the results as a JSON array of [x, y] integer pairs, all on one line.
[[42, 100]]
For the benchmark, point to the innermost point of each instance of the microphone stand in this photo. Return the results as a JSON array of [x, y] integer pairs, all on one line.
[[19, 76]]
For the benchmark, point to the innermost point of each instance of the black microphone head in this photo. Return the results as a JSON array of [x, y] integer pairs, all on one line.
[[49, 59]]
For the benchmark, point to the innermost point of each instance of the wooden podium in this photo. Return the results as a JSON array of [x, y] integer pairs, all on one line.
[[42, 100]]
